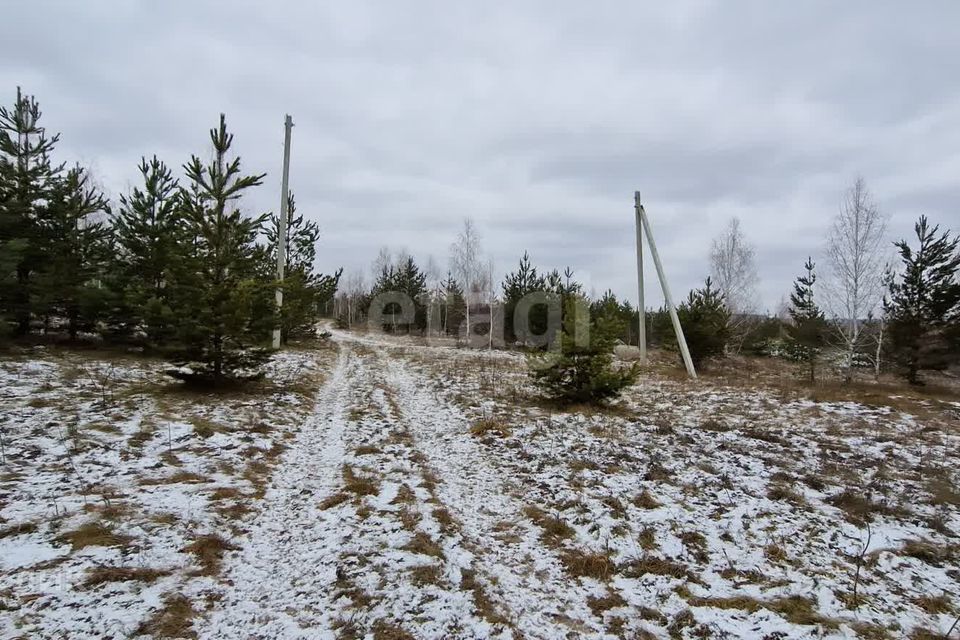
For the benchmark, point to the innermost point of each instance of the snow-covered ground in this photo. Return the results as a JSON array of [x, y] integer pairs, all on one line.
[[383, 489]]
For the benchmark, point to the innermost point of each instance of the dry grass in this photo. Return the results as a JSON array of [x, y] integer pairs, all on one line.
[[367, 449], [100, 575], [173, 620], [383, 630], [604, 603], [935, 604], [583, 563], [555, 530], [18, 529], [930, 552], [93, 534], [422, 544], [482, 602], [490, 427], [645, 500], [180, 477], [208, 550], [359, 485], [794, 609], [655, 565], [332, 501]]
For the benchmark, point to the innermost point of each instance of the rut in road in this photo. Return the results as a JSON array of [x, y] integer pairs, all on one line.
[[386, 517]]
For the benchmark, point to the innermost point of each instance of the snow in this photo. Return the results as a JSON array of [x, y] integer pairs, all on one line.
[[376, 510]]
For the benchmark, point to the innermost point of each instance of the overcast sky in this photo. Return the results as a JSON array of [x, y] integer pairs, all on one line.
[[539, 121]]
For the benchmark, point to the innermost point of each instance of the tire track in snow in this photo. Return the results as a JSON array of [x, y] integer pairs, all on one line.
[[279, 584], [526, 578]]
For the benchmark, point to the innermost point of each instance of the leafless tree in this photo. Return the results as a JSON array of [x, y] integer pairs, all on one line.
[[733, 263], [466, 263], [855, 257]]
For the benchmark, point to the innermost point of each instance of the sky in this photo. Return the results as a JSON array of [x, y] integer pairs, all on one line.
[[538, 120]]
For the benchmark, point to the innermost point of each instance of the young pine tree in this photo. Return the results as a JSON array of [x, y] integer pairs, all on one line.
[[582, 370], [705, 318], [305, 292], [524, 281], [809, 331], [453, 309], [77, 245], [26, 178], [220, 328], [148, 228], [923, 303]]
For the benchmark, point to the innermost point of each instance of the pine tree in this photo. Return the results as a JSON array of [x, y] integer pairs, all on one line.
[[305, 292], [407, 280], [923, 303], [626, 315], [454, 307], [582, 369], [77, 246], [217, 285], [26, 177], [522, 282], [705, 318], [150, 240], [809, 331]]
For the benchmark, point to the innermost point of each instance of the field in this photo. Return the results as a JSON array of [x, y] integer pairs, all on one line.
[[375, 487]]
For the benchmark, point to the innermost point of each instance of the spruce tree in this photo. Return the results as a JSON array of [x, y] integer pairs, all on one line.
[[150, 239], [76, 244], [222, 333], [705, 318], [809, 331], [26, 178], [923, 302]]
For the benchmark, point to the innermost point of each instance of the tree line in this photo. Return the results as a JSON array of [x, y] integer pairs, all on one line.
[[872, 310], [175, 267]]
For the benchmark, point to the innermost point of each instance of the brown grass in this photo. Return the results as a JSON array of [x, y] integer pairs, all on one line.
[[208, 550], [332, 501], [383, 630], [173, 620], [794, 609], [422, 544], [655, 565], [645, 500], [490, 427], [930, 552], [935, 604], [482, 602], [604, 603], [93, 534], [583, 563], [19, 529], [555, 530], [359, 485], [100, 575]]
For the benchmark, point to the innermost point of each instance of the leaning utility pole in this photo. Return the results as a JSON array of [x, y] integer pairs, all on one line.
[[681, 341], [282, 231], [642, 326]]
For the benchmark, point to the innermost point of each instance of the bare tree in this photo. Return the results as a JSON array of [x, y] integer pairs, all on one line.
[[734, 269], [466, 264], [855, 258]]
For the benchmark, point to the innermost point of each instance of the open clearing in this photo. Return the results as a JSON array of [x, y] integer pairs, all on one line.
[[382, 489]]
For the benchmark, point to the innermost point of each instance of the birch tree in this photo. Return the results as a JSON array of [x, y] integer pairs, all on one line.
[[466, 263], [855, 261], [733, 263]]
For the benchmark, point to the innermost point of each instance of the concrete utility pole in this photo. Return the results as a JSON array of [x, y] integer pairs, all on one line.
[[681, 341], [282, 232], [642, 326]]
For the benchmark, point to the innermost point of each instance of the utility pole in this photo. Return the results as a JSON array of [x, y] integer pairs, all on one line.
[[282, 232], [681, 341], [642, 326]]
